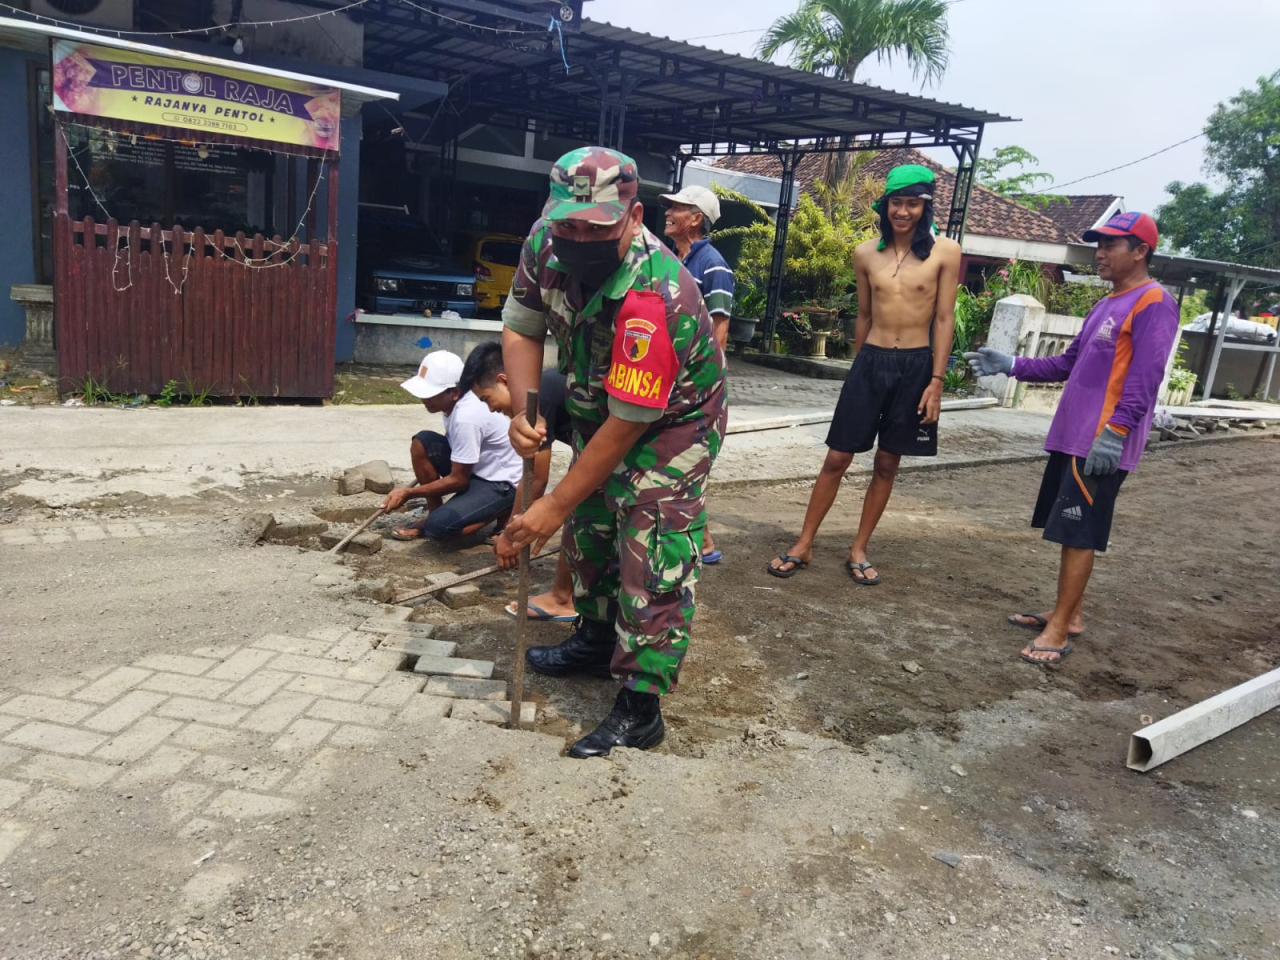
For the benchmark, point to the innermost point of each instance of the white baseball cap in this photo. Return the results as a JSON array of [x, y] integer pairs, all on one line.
[[699, 197], [438, 372]]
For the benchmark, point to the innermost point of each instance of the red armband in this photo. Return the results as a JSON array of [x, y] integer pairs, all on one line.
[[644, 364]]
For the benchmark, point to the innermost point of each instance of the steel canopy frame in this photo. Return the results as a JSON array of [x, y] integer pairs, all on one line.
[[626, 89]]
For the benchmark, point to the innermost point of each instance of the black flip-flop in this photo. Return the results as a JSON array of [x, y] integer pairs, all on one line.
[[1039, 625], [786, 574], [866, 581], [1062, 653]]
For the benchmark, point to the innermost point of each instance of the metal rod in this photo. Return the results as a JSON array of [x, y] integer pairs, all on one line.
[[522, 592], [341, 544]]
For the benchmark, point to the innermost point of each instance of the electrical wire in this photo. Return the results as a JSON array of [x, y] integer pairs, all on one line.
[[1058, 186], [194, 31], [467, 23]]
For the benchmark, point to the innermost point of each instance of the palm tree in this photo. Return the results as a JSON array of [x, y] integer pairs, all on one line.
[[836, 37]]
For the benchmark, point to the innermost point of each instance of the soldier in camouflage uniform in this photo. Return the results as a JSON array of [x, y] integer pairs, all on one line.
[[645, 394]]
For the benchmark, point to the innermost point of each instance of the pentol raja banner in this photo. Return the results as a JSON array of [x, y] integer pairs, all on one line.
[[194, 97]]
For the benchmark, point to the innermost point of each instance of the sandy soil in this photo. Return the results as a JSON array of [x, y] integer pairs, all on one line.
[[807, 782]]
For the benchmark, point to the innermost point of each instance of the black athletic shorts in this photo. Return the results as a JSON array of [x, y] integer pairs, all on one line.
[[1075, 510], [881, 396]]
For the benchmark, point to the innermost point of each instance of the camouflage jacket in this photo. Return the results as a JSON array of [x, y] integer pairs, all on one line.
[[673, 456]]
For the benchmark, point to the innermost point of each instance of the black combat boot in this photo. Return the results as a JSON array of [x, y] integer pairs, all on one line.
[[589, 649], [635, 721]]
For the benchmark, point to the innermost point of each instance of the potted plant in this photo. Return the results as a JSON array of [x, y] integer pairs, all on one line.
[[748, 308]]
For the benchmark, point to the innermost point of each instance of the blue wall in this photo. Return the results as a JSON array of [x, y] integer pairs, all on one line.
[[348, 211], [17, 260]]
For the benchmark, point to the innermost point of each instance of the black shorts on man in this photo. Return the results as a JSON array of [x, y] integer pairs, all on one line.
[[483, 500], [881, 397], [1073, 509]]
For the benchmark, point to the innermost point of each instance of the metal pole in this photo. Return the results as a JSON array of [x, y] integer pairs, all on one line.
[[790, 161], [1208, 338], [522, 589], [1237, 284], [959, 214]]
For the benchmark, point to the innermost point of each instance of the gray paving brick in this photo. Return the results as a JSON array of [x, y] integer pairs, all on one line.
[[329, 687], [153, 528], [177, 683], [10, 755], [391, 612], [464, 595], [258, 688], [240, 664], [200, 736], [123, 530], [315, 772], [454, 667], [329, 634], [55, 536], [393, 690], [17, 538], [186, 708], [87, 532], [176, 663], [55, 686], [94, 673], [277, 713], [183, 798], [319, 666], [491, 711], [379, 625], [8, 723], [241, 805], [246, 776], [347, 735], [46, 708], [12, 833], [11, 791], [353, 645], [281, 644], [423, 707], [134, 704], [340, 712], [466, 689], [220, 652], [110, 685], [49, 803], [81, 774], [374, 666], [48, 736], [165, 763], [417, 646], [303, 736], [137, 741]]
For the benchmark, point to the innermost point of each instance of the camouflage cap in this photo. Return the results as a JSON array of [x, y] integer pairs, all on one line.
[[592, 184]]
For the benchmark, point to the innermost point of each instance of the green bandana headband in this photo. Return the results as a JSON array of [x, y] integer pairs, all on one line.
[[909, 179]]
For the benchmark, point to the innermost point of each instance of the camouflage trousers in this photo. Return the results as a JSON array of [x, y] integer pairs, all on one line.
[[643, 561]]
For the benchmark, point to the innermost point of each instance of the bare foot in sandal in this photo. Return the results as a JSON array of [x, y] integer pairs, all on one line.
[[788, 564], [1038, 621]]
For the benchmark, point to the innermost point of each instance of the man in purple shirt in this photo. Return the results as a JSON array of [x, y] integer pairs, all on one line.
[[1113, 371]]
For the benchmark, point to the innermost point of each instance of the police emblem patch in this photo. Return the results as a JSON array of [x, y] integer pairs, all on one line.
[[637, 334]]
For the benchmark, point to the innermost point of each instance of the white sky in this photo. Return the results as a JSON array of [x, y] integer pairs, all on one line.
[[1095, 83]]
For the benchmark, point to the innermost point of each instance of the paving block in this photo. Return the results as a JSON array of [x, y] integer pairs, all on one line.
[[423, 707], [218, 653], [291, 531], [308, 647], [46, 708], [411, 646], [201, 736], [397, 627], [130, 707], [348, 735], [315, 771], [8, 723], [123, 531], [361, 545], [467, 689], [236, 773], [374, 666], [183, 798], [164, 763], [393, 613], [80, 774], [240, 805], [353, 645], [350, 483], [85, 532], [176, 663], [257, 525], [341, 712], [278, 712], [296, 663], [331, 634], [377, 476], [17, 538], [491, 711], [329, 687], [454, 667], [11, 791], [303, 736], [55, 536], [466, 595], [201, 687], [12, 834], [137, 741], [110, 685], [394, 690], [49, 736], [187, 708], [257, 689], [54, 686], [240, 664], [10, 755]]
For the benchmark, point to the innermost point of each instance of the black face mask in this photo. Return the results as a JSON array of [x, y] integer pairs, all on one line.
[[591, 261]]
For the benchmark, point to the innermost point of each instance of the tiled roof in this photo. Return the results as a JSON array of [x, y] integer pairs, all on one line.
[[1076, 214], [990, 214]]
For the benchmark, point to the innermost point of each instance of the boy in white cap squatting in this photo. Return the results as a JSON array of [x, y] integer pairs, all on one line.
[[472, 464]]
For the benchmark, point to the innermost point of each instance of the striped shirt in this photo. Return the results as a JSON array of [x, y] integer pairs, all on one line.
[[1113, 370], [713, 276]]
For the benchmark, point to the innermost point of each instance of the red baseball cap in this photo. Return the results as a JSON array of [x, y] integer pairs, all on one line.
[[1127, 225]]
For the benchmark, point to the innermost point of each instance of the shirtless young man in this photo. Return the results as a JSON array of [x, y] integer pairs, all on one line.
[[906, 290]]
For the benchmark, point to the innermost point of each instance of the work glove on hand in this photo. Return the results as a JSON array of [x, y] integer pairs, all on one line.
[[1104, 455], [987, 362]]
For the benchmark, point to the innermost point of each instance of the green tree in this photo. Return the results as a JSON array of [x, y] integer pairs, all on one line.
[[1018, 184], [836, 37], [1240, 223]]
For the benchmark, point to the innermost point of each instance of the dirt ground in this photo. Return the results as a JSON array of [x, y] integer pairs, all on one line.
[[807, 782]]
